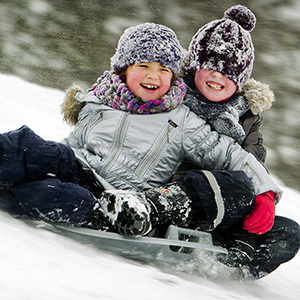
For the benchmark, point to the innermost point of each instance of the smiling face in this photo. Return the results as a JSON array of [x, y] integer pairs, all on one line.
[[150, 80], [213, 85]]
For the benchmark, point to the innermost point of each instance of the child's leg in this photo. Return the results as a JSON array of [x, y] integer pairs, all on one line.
[[24, 156], [202, 200], [218, 198], [64, 202], [55, 201], [259, 255], [275, 247]]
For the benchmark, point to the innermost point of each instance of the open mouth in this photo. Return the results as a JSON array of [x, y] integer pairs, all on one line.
[[150, 87], [215, 85]]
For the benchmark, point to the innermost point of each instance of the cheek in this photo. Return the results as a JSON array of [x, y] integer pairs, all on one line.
[[230, 86], [132, 82], [130, 86], [165, 83], [199, 82]]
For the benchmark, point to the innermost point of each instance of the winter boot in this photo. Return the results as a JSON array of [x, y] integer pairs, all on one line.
[[127, 211], [238, 243], [239, 254], [134, 213], [170, 205]]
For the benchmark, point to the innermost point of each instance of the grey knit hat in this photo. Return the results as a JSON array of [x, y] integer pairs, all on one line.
[[225, 46], [148, 42]]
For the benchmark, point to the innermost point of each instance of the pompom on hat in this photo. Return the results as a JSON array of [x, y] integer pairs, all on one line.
[[148, 42], [225, 46]]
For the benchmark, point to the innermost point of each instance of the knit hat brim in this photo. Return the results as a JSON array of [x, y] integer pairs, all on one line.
[[148, 42]]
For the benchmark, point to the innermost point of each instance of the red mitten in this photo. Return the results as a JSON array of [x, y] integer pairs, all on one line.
[[261, 218]]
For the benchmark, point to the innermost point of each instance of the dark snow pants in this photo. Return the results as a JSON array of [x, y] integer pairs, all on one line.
[[25, 157], [219, 198], [54, 201], [271, 249], [277, 246], [42, 178]]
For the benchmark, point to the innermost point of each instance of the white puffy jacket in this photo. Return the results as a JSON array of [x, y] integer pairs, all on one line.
[[138, 152]]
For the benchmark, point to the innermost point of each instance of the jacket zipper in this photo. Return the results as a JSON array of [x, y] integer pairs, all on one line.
[[116, 149], [152, 154], [169, 133], [170, 127]]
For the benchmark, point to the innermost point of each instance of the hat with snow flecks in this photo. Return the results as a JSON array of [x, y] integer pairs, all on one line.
[[225, 46], [148, 42]]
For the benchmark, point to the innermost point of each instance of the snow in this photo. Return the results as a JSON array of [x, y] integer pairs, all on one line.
[[38, 264]]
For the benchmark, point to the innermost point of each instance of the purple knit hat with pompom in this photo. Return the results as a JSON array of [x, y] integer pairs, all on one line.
[[148, 42], [225, 46]]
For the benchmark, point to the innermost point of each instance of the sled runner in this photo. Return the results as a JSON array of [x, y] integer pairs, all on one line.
[[177, 245]]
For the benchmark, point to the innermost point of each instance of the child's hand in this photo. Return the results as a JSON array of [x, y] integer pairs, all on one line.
[[261, 218]]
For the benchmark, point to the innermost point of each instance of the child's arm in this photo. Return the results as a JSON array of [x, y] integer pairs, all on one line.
[[253, 141], [260, 98]]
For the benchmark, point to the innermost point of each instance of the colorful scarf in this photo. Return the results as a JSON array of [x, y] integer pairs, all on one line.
[[113, 91]]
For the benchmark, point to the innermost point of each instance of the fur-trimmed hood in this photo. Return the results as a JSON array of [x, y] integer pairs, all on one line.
[[258, 94], [70, 107]]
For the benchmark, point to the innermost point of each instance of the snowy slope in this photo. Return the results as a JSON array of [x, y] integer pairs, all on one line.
[[37, 264]]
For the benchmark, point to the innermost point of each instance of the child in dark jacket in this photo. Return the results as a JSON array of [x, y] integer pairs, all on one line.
[[218, 67], [217, 72]]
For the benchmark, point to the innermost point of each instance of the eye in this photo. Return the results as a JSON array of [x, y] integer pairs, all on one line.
[[167, 70], [164, 68], [142, 66]]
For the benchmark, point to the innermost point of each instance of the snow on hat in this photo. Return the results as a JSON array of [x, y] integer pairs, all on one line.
[[225, 46], [148, 42]]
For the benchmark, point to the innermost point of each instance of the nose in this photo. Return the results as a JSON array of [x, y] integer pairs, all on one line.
[[152, 74], [217, 74]]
